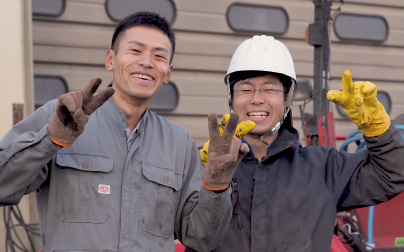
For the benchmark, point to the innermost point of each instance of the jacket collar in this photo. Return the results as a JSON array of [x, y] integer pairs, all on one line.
[[287, 137], [111, 110]]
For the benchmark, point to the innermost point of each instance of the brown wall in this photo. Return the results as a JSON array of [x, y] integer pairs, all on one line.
[[74, 46]]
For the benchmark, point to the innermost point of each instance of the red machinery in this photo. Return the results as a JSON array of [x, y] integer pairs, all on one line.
[[179, 247], [375, 228]]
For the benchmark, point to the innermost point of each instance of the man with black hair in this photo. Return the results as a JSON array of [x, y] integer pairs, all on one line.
[[111, 175]]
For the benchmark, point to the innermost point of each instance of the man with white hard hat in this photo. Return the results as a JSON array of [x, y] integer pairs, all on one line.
[[285, 196]]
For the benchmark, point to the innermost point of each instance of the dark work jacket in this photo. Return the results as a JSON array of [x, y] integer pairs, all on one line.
[[288, 201]]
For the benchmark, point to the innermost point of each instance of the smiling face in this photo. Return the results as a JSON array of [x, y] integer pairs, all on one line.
[[141, 65], [266, 110]]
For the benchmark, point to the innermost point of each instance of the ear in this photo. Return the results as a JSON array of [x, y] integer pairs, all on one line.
[[109, 60], [168, 76]]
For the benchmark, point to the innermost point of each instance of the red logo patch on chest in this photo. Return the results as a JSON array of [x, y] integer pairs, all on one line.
[[104, 189]]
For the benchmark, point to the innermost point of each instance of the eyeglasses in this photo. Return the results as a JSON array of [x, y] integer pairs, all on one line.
[[265, 90]]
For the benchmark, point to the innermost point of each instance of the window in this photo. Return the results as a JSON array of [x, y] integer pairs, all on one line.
[[47, 88], [54, 8], [257, 18], [166, 98], [361, 27], [118, 10]]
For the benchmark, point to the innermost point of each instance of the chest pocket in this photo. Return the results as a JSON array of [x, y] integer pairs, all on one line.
[[84, 187], [159, 200]]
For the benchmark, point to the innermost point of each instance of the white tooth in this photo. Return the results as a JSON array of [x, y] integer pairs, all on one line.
[[258, 114], [143, 76]]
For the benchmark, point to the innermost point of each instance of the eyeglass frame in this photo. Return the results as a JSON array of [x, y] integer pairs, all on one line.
[[273, 91]]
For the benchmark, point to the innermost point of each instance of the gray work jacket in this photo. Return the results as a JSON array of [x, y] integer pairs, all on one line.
[[101, 196]]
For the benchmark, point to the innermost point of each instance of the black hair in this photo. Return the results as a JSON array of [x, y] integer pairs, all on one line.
[[143, 18]]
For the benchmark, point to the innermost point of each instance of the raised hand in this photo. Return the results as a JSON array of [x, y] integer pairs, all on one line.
[[73, 110], [224, 154], [359, 100], [243, 128]]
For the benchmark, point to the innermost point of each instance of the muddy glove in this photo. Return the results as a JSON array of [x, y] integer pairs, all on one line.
[[73, 110], [224, 154], [242, 129], [361, 105]]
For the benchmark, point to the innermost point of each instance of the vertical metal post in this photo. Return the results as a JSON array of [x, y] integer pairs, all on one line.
[[318, 125]]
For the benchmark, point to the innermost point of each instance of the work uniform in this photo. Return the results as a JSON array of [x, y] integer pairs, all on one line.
[[113, 191], [288, 201]]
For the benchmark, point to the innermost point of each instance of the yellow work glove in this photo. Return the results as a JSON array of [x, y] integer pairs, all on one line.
[[242, 129], [361, 105]]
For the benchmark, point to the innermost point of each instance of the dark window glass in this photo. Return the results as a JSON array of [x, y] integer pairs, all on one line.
[[53, 8], [257, 18], [361, 27], [47, 88], [166, 98], [118, 10]]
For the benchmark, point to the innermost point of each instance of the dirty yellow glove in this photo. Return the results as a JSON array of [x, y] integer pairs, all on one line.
[[242, 129], [361, 105]]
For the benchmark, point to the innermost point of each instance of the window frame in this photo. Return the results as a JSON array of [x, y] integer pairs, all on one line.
[[257, 30], [47, 76], [174, 16], [154, 107], [62, 10], [342, 38]]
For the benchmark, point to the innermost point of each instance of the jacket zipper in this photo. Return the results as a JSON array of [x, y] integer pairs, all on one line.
[[234, 185]]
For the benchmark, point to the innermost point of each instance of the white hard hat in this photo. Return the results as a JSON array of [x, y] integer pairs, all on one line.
[[262, 53]]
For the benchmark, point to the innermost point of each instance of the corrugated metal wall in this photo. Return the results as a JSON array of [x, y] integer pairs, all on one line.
[[74, 46]]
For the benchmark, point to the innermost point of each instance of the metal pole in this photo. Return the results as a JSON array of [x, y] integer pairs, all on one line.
[[320, 39]]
